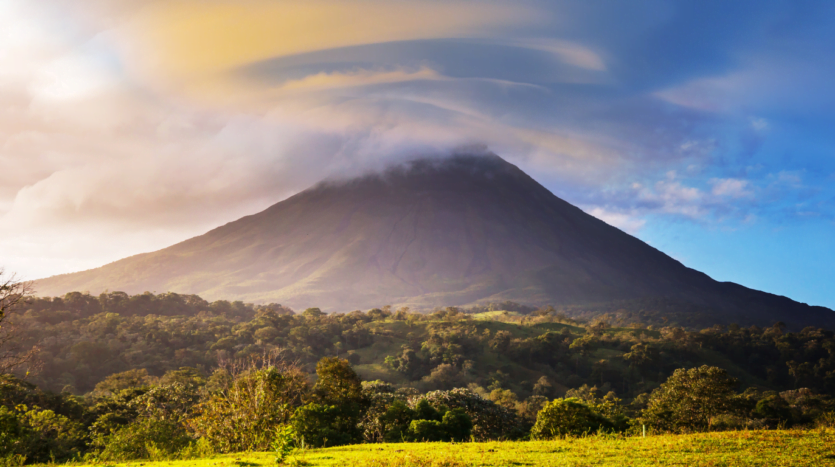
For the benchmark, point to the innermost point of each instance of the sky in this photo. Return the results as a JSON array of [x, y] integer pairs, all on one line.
[[701, 127]]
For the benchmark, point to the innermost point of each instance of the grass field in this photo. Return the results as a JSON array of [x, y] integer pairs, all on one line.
[[762, 448]]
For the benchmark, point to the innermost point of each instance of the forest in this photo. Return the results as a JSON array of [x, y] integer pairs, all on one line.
[[119, 377]]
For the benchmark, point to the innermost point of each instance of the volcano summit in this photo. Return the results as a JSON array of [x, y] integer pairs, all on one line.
[[433, 232]]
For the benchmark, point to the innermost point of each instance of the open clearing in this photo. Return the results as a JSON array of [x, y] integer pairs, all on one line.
[[766, 448]]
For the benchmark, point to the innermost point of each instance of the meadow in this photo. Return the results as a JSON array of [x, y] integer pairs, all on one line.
[[735, 448]]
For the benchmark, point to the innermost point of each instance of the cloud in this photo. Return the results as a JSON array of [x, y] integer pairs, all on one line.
[[358, 77], [628, 222], [569, 52], [148, 119], [731, 187], [187, 41]]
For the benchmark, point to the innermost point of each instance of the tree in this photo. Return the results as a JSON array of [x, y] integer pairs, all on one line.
[[501, 342], [334, 414], [125, 380], [454, 425], [690, 400], [257, 397], [505, 398], [641, 355], [337, 383], [13, 294], [567, 417], [490, 420], [543, 387], [318, 425], [583, 345]]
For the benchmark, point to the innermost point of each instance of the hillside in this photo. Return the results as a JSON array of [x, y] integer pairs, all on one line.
[[456, 231], [83, 339]]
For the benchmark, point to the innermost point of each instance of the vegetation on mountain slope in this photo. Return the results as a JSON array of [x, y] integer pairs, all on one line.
[[81, 339]]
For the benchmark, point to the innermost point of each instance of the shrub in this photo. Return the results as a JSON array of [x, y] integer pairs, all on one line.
[[455, 425], [426, 431], [774, 409], [490, 421], [11, 433], [251, 403], [143, 439], [318, 425], [39, 435], [567, 417], [396, 421], [284, 442], [387, 417]]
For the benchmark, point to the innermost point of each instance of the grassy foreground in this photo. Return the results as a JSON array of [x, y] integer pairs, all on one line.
[[767, 448]]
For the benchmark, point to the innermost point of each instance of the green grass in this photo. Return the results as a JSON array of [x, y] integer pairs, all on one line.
[[766, 448]]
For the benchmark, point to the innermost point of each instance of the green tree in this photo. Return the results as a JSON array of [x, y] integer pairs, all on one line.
[[117, 382], [690, 400], [244, 413], [454, 425], [337, 406], [321, 425], [567, 417], [641, 355]]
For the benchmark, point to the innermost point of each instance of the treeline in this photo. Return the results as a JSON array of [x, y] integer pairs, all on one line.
[[268, 403], [81, 339], [77, 305], [173, 376]]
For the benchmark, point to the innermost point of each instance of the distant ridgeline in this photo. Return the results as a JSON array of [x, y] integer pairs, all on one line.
[[82, 339]]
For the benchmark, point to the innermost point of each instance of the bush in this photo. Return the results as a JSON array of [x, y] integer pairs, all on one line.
[[774, 409], [567, 417], [426, 431], [144, 439], [242, 415], [11, 433], [318, 425], [39, 435], [490, 421], [455, 425]]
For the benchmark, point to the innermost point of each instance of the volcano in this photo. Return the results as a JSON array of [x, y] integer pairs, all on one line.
[[433, 232]]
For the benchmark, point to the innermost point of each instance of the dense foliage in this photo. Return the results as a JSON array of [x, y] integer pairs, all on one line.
[[172, 376]]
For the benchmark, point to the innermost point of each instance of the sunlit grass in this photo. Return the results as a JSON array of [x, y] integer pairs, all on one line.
[[762, 448]]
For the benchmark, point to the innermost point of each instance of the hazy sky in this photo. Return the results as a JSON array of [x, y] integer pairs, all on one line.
[[705, 128]]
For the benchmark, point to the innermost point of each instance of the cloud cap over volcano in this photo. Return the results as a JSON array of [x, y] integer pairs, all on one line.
[[130, 125]]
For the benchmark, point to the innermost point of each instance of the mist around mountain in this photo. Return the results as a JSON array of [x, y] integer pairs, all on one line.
[[433, 232]]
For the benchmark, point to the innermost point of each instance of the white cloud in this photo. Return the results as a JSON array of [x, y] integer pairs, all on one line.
[[731, 187], [759, 124], [628, 222]]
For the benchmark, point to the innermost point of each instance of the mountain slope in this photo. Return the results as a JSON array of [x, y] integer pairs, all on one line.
[[430, 233]]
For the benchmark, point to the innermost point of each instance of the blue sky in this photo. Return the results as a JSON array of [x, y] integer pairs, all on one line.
[[703, 128]]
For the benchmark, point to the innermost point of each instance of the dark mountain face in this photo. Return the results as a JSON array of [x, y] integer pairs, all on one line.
[[430, 233]]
